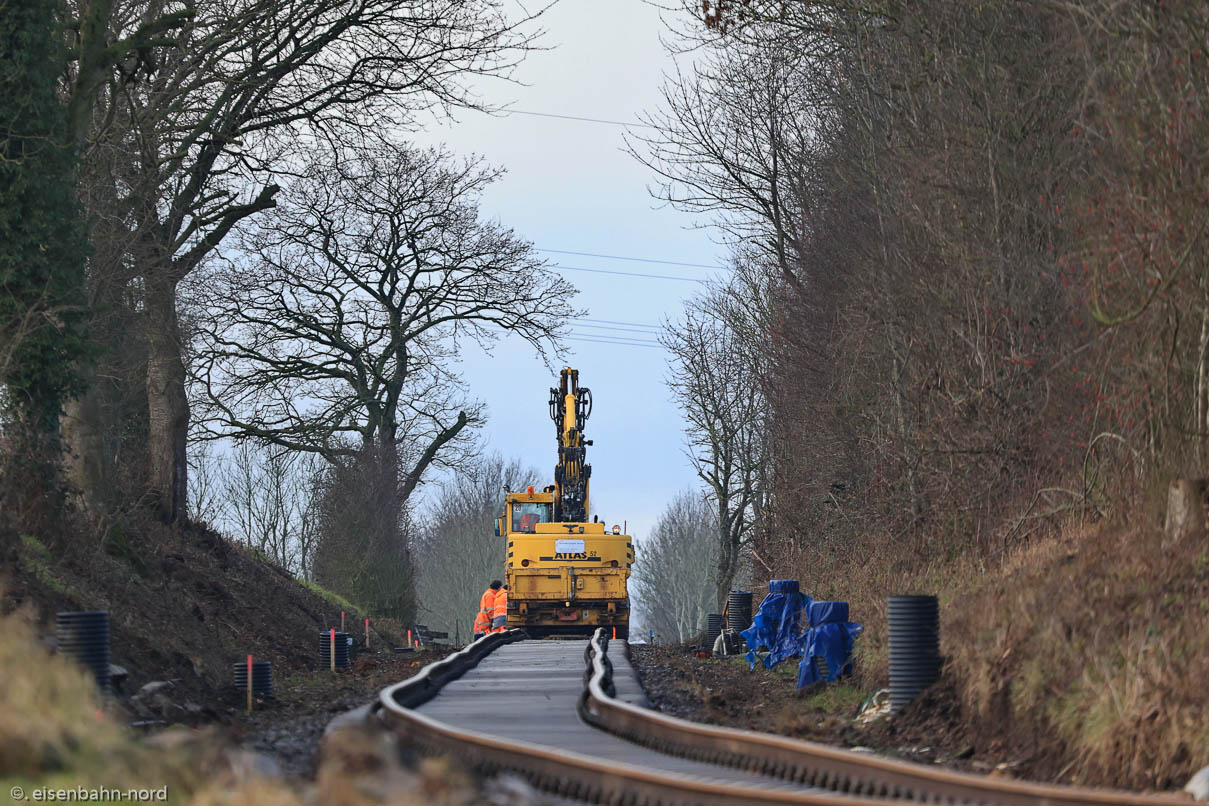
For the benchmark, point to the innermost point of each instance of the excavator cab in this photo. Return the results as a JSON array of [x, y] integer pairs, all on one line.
[[526, 515]]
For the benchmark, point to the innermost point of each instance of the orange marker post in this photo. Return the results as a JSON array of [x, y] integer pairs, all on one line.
[[614, 633], [249, 684], [367, 633], [332, 651], [341, 621], [409, 639]]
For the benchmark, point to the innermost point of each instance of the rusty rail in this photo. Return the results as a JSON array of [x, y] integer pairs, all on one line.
[[848, 778], [822, 765]]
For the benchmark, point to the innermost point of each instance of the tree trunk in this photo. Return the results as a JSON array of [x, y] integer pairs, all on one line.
[[1186, 510], [85, 457], [167, 406], [93, 422], [728, 559]]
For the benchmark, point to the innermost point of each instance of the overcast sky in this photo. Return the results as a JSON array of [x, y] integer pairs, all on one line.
[[570, 186]]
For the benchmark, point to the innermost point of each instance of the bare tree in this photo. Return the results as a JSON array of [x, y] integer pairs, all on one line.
[[204, 128], [457, 552], [263, 496], [714, 378], [269, 503], [675, 568], [737, 137], [903, 231], [205, 493], [337, 331]]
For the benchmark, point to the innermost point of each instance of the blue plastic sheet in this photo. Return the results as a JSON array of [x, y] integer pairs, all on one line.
[[832, 642], [828, 613], [791, 624], [778, 624]]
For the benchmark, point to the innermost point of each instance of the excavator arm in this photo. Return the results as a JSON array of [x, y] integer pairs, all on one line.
[[570, 407]]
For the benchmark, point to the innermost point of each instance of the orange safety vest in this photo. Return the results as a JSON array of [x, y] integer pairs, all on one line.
[[499, 612], [482, 620]]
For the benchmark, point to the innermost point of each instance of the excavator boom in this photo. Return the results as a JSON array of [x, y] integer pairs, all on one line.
[[570, 407]]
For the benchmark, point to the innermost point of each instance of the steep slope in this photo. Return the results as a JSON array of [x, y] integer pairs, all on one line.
[[184, 604]]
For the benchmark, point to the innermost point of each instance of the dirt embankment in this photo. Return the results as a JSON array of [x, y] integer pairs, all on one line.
[[1079, 658], [725, 691], [184, 606], [288, 727], [57, 733], [1087, 654]]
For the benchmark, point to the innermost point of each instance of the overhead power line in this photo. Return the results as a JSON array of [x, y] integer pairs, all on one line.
[[509, 111], [619, 336], [614, 322], [618, 340], [631, 274], [614, 328], [616, 343], [635, 259]]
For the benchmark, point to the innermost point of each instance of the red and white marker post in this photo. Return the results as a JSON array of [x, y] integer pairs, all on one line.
[[332, 651], [249, 684], [367, 633]]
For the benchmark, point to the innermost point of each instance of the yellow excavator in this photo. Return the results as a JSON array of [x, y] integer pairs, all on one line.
[[566, 575]]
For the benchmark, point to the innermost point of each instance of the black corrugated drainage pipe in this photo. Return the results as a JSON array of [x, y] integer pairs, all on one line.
[[914, 647], [262, 677], [325, 655], [738, 610], [84, 635], [713, 628]]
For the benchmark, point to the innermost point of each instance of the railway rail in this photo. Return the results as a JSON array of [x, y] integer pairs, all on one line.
[[577, 729]]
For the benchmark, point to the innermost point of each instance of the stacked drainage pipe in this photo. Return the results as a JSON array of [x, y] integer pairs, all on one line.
[[738, 610], [325, 655], [713, 628], [262, 677], [84, 635], [914, 647]]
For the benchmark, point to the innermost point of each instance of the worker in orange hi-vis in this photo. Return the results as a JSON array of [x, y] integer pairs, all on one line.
[[499, 613], [482, 619]]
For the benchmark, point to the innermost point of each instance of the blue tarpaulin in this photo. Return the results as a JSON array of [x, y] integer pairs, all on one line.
[[778, 624], [789, 624], [828, 613], [833, 643]]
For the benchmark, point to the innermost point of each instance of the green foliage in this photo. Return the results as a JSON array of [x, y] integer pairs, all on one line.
[[117, 544], [42, 293], [837, 698], [36, 558], [333, 598]]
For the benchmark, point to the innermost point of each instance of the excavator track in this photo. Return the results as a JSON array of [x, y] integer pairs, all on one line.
[[570, 717]]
